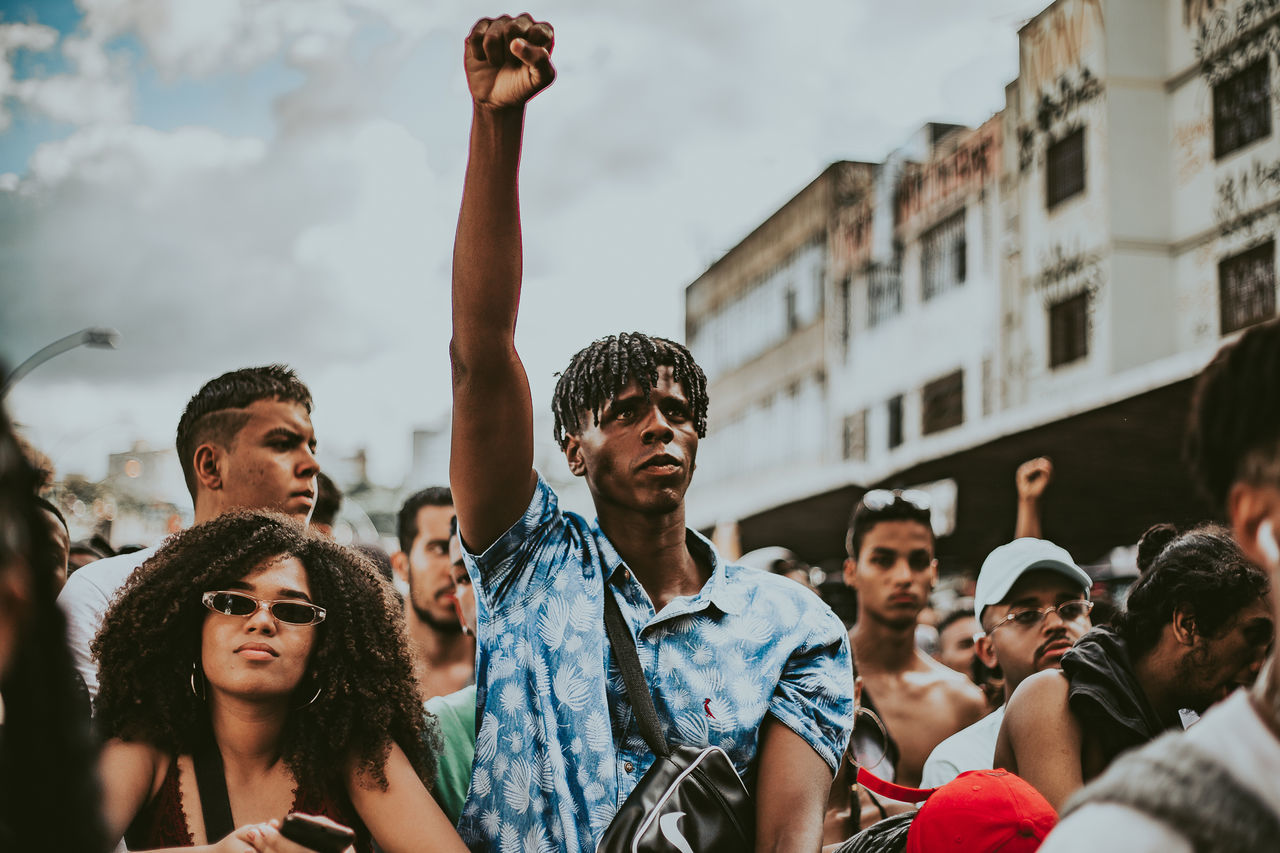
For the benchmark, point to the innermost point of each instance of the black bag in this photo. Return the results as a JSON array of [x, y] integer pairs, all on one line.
[[692, 799]]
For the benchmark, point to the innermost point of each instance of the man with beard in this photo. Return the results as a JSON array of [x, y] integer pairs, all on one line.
[[443, 655], [892, 567], [1033, 604]]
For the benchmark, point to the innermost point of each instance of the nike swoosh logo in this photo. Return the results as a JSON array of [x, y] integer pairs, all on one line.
[[667, 823]]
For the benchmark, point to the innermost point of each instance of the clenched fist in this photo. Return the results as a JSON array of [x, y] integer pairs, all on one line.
[[508, 60]]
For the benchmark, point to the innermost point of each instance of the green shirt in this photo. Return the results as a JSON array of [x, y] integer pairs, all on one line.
[[456, 714]]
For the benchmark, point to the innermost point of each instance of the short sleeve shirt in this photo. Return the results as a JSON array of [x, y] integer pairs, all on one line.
[[558, 749]]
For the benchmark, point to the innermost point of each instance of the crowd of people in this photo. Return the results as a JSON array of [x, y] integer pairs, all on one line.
[[477, 689]]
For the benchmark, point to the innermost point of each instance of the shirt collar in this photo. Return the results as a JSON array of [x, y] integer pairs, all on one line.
[[723, 588]]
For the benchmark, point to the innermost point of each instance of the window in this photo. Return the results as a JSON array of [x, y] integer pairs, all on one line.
[[1064, 174], [1241, 108], [1069, 330], [846, 313], [884, 292], [1247, 287], [855, 436], [793, 312], [942, 256], [943, 401], [895, 421]]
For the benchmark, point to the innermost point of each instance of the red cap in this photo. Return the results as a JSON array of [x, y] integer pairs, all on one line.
[[982, 811]]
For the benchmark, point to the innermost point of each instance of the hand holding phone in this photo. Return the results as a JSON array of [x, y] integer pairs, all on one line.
[[317, 833]]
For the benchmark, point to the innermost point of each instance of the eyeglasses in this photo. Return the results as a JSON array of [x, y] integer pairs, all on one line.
[[1068, 611], [878, 500], [288, 611]]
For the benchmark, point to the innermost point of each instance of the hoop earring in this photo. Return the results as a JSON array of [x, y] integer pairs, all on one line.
[[883, 739], [310, 701], [198, 692]]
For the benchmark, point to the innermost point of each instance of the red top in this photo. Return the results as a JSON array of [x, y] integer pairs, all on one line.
[[162, 822]]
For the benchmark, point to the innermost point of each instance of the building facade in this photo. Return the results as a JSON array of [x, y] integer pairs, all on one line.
[[1047, 283]]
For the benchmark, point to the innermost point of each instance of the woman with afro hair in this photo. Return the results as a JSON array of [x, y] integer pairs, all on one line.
[[248, 670]]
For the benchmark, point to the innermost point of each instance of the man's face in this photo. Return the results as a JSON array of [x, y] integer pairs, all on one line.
[[465, 597], [1215, 666], [894, 572], [955, 645], [641, 455], [427, 569], [1019, 650], [271, 462]]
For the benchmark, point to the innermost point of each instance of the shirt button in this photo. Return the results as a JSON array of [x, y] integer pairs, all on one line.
[[628, 766]]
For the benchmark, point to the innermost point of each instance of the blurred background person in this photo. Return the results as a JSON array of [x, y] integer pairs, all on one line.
[[1197, 625], [328, 503], [60, 539], [956, 631]]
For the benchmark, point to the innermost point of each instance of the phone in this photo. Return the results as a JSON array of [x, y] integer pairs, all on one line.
[[315, 835]]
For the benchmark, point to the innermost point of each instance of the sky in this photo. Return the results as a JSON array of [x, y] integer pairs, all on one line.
[[238, 182]]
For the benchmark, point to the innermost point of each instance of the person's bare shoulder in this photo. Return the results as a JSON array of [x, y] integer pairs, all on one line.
[[1039, 692], [967, 696]]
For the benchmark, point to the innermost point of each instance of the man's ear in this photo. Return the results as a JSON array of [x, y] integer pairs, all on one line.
[[1184, 625], [207, 464], [850, 572], [400, 565], [1248, 506], [573, 455], [985, 649]]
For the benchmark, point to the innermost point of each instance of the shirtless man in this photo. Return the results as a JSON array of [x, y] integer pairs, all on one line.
[[892, 567]]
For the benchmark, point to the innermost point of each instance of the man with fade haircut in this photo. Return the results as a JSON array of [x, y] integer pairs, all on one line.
[[740, 659], [444, 655], [245, 441], [1216, 787], [1032, 601], [892, 568]]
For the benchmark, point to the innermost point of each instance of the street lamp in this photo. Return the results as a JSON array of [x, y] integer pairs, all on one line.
[[98, 337]]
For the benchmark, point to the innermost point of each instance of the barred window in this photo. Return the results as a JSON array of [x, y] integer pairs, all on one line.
[[1247, 287], [943, 403], [1069, 330], [942, 256], [895, 421], [1064, 172], [855, 436], [884, 292], [1242, 108]]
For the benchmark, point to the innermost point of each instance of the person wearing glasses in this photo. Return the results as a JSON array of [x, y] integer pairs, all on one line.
[[1196, 626], [248, 670], [892, 568], [1032, 603]]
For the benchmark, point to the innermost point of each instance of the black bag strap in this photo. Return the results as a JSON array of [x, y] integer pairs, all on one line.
[[211, 779], [624, 652]]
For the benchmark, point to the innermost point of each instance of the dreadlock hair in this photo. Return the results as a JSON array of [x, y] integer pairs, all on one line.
[[216, 413], [1202, 569], [148, 652], [599, 371], [1234, 429]]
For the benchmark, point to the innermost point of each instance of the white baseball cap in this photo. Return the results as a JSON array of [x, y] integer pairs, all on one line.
[[1003, 566]]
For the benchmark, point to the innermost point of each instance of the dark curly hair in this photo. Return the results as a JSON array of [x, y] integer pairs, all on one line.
[[216, 413], [599, 371], [1235, 413], [150, 640], [1202, 569]]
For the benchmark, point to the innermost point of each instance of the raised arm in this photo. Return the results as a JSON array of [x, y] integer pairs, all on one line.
[[508, 61], [1032, 479]]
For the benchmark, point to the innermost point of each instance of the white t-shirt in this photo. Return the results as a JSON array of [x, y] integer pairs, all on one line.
[[85, 599], [971, 748], [1244, 746]]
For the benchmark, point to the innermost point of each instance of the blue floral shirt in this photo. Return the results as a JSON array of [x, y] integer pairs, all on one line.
[[558, 749]]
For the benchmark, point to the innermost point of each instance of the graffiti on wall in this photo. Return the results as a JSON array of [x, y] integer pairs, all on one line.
[[1065, 273], [1057, 113], [1057, 41], [926, 189], [1247, 199], [1229, 38]]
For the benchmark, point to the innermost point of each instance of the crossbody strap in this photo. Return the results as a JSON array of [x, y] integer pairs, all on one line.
[[211, 780], [624, 652]]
